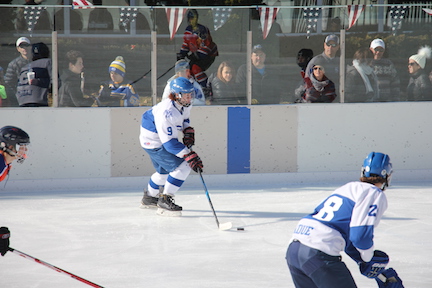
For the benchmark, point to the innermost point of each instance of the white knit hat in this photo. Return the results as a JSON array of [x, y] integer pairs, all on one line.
[[424, 53]]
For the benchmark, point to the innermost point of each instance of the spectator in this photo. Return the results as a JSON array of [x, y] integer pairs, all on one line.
[[100, 19], [223, 86], [319, 89], [182, 69], [34, 92], [303, 58], [2, 88], [198, 47], [13, 70], [388, 80], [71, 92], [75, 19], [419, 85], [361, 84], [328, 59], [117, 92], [24, 23], [265, 80]]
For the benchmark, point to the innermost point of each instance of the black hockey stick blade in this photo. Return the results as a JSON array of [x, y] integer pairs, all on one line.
[[22, 254]]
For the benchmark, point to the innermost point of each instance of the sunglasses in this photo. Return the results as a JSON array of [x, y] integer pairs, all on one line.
[[332, 45], [412, 64], [379, 49], [24, 45], [318, 68]]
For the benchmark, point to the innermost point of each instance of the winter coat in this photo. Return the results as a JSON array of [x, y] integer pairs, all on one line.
[[323, 91], [11, 78], [225, 93], [355, 88], [419, 87], [388, 80], [36, 93], [70, 94]]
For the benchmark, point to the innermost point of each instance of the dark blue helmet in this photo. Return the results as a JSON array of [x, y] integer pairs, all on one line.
[[377, 164]]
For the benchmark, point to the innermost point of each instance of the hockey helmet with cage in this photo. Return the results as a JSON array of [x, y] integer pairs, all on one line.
[[377, 164], [16, 137], [179, 86]]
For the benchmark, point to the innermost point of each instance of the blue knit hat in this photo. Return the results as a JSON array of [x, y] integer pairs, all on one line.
[[118, 66]]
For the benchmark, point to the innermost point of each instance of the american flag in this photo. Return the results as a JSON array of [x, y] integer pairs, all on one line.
[[267, 17], [220, 16], [397, 14], [31, 15], [128, 15], [311, 15], [81, 4], [354, 12], [175, 17]]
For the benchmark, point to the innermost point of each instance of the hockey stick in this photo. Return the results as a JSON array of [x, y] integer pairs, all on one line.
[[22, 254], [142, 77], [223, 226]]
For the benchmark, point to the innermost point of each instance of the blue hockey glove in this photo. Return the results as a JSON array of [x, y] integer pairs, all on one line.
[[374, 267], [392, 279]]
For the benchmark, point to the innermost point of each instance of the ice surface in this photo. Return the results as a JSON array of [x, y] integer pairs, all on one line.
[[103, 236]]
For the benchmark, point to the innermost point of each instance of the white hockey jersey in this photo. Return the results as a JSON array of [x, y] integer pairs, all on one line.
[[161, 126], [345, 221], [199, 98]]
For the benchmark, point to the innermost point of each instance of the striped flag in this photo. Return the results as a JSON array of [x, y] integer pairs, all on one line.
[[354, 12], [81, 4], [175, 17], [220, 16], [397, 14], [267, 17], [428, 11]]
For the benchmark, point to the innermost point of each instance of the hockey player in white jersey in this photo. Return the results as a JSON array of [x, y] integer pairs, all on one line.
[[344, 221], [172, 159]]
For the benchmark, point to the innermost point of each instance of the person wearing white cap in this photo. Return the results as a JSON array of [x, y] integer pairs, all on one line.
[[23, 46], [419, 87], [182, 69], [328, 60], [388, 79]]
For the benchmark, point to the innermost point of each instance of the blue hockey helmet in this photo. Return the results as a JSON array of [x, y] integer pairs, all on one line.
[[179, 86], [377, 164]]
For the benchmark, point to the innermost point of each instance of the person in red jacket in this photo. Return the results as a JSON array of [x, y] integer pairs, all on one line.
[[13, 146]]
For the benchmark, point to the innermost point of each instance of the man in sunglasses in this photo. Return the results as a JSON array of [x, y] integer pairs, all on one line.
[[328, 60], [388, 79], [13, 70]]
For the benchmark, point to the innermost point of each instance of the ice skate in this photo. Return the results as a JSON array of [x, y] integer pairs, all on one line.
[[167, 207], [148, 201]]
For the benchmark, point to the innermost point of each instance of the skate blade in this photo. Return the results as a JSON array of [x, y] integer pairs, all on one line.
[[168, 213], [143, 206]]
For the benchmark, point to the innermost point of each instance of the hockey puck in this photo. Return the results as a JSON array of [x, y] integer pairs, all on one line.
[[240, 229]]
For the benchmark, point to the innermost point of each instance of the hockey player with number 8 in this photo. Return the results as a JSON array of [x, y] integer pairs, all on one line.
[[172, 159], [344, 221]]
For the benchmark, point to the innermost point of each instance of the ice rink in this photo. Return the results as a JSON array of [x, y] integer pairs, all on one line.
[[103, 236]]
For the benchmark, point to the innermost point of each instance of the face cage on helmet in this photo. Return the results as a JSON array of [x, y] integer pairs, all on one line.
[[20, 154], [179, 97]]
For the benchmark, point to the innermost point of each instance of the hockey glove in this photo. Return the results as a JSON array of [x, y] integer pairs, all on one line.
[[377, 264], [392, 279], [4, 240], [194, 161], [180, 56], [189, 137]]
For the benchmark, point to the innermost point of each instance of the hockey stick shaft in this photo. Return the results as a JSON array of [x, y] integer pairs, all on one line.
[[22, 254], [145, 74], [208, 197]]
